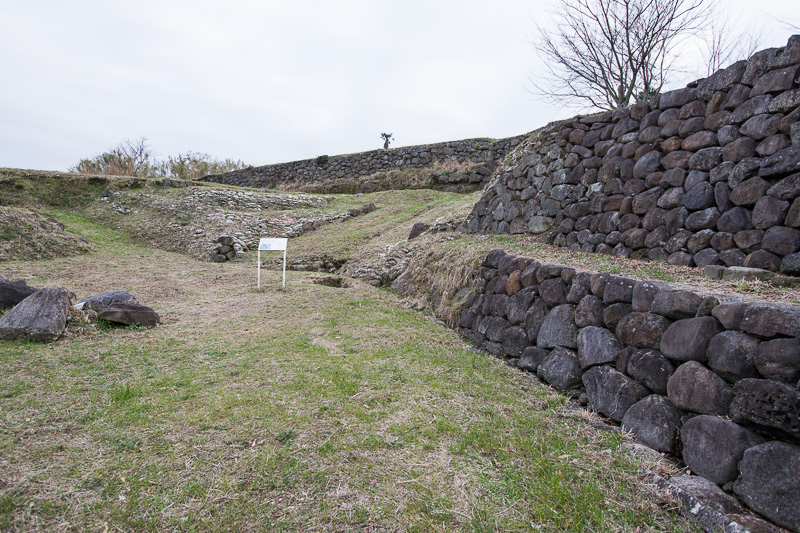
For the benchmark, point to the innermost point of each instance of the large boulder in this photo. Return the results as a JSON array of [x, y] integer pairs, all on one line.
[[130, 314], [687, 340], [558, 328], [713, 447], [107, 299], [651, 369], [597, 346], [695, 388], [767, 406], [769, 483], [642, 330], [13, 292], [610, 392], [40, 317], [561, 369], [732, 355], [654, 422]]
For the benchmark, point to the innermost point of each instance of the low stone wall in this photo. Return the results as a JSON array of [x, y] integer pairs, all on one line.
[[708, 378], [340, 167], [706, 175]]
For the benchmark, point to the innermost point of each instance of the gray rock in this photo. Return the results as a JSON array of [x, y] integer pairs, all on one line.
[[13, 292], [735, 220], [553, 291], [130, 314], [644, 292], [762, 259], [651, 369], [534, 319], [687, 340], [41, 317], [707, 492], [695, 388], [781, 240], [531, 358], [597, 346], [770, 320], [614, 313], [749, 191], [783, 163], [705, 219], [618, 290], [654, 422], [769, 483], [768, 212], [787, 189], [790, 265], [701, 196], [493, 327], [649, 163], [767, 406], [677, 304], [732, 355], [642, 330], [560, 369], [515, 340], [610, 392], [106, 299], [713, 447], [589, 312], [519, 304], [779, 359], [706, 159], [558, 328]]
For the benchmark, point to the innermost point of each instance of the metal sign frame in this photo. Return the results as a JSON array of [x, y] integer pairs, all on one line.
[[268, 244]]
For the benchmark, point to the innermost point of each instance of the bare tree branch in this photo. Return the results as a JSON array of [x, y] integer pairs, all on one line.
[[605, 53]]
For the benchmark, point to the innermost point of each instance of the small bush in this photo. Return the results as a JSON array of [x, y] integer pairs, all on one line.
[[321, 160]]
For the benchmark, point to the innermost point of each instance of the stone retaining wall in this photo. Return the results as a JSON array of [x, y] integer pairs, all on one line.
[[708, 378], [340, 167], [706, 175]]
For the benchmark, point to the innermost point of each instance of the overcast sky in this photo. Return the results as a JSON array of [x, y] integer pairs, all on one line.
[[271, 81]]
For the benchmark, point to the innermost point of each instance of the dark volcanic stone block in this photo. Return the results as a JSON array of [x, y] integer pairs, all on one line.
[[644, 292], [769, 482], [519, 304], [610, 392], [779, 359], [781, 240], [654, 422], [531, 358], [597, 346], [749, 191], [687, 340], [713, 447], [732, 355], [561, 369], [618, 290], [767, 406], [763, 260], [515, 340], [768, 212], [642, 330], [651, 369], [785, 162], [534, 319], [676, 304], [769, 320], [558, 328], [553, 291], [589, 312], [695, 388], [614, 313]]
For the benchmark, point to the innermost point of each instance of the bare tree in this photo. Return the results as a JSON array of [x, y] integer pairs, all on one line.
[[606, 53], [721, 45], [386, 138], [129, 158]]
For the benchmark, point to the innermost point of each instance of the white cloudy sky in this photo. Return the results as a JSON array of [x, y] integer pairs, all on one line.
[[270, 81]]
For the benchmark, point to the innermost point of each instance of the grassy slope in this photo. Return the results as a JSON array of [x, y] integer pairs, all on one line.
[[315, 409]]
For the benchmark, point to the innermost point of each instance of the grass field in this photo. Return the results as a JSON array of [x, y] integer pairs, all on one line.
[[316, 408]]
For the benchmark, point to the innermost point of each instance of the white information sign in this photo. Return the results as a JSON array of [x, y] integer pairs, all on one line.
[[267, 244]]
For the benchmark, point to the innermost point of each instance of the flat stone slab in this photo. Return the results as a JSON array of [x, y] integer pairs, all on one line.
[[40, 317], [130, 314]]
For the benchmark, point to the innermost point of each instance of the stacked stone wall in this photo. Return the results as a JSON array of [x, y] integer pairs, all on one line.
[[705, 175], [711, 379], [341, 167]]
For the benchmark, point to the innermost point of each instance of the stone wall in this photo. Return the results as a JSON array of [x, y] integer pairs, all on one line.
[[705, 175], [710, 379], [341, 167]]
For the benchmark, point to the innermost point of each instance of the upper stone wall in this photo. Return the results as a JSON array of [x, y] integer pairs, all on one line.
[[340, 167], [705, 175]]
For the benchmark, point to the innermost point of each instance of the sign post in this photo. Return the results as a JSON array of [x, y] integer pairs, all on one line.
[[272, 245]]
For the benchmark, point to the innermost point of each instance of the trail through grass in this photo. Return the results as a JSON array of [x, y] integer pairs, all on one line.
[[316, 408]]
